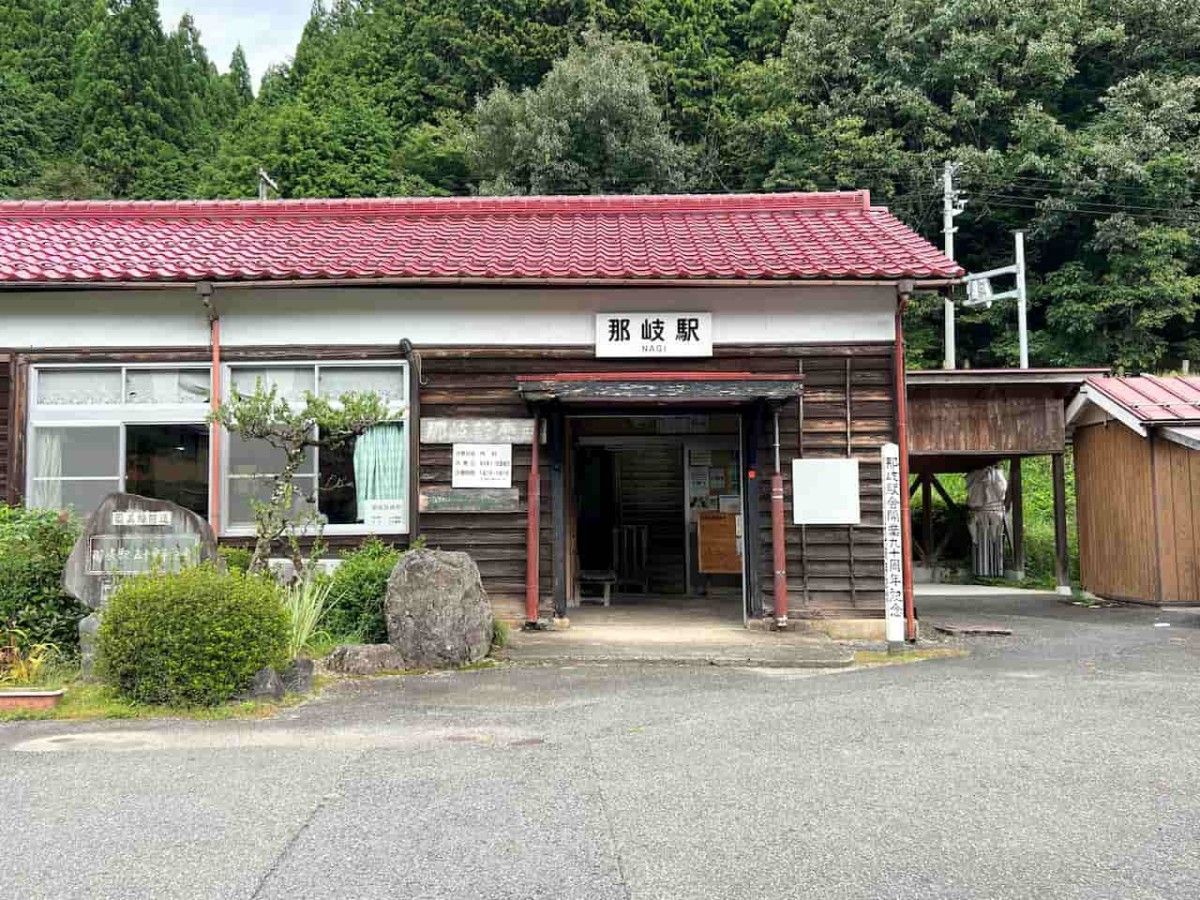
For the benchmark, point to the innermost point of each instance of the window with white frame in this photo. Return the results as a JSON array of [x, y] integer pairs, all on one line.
[[95, 429], [358, 488]]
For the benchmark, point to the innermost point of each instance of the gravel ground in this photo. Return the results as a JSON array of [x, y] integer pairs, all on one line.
[[1060, 762]]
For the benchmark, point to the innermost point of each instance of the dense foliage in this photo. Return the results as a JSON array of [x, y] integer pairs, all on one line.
[[34, 546], [1078, 120], [196, 637], [357, 592]]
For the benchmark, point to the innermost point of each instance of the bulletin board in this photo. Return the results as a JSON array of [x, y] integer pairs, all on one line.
[[717, 539]]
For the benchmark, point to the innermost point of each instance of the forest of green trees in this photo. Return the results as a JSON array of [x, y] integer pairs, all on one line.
[[1078, 120]]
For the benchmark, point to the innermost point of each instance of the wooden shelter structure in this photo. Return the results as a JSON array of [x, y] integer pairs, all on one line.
[[1137, 476], [966, 419]]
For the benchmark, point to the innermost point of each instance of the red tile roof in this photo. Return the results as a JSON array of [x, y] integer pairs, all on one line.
[[754, 236], [1154, 399]]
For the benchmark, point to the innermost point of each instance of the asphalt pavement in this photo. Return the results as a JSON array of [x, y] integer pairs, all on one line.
[[1060, 762]]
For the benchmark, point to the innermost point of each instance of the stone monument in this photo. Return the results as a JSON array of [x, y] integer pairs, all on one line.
[[130, 535]]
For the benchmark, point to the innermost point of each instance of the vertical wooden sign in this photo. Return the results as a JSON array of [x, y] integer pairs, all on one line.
[[893, 545]]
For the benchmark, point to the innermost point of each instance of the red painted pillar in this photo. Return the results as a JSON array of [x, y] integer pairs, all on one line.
[[214, 453], [533, 537], [910, 619], [778, 537]]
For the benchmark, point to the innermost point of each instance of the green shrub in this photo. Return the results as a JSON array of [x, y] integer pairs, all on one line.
[[359, 585], [501, 634], [237, 559], [34, 546], [195, 637]]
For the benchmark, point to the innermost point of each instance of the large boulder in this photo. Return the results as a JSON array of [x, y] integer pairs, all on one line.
[[437, 611]]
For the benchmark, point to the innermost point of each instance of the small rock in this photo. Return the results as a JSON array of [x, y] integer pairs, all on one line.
[[363, 659], [88, 627], [298, 676], [267, 685]]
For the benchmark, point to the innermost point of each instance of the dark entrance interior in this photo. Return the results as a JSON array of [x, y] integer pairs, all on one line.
[[648, 494]]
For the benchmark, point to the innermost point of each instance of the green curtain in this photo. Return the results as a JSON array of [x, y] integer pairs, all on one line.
[[379, 471]]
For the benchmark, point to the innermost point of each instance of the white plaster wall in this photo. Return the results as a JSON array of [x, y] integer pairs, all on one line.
[[48, 319], [434, 316]]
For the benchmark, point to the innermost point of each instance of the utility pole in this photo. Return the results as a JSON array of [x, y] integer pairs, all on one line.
[[952, 206], [1022, 325]]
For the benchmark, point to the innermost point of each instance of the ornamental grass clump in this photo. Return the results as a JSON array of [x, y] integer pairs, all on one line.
[[307, 602], [191, 638]]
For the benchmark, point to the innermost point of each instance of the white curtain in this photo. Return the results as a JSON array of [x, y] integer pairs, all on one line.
[[47, 494]]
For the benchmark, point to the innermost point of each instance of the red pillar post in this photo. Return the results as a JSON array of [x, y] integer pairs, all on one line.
[[533, 536], [214, 454], [778, 537]]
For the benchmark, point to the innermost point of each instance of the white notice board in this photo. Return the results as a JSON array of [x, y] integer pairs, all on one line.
[[893, 544], [482, 466], [825, 492]]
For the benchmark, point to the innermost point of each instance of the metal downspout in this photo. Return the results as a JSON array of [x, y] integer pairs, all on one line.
[[205, 291], [532, 541]]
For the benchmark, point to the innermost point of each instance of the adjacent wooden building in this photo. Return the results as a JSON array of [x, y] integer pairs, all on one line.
[[1137, 476], [576, 382]]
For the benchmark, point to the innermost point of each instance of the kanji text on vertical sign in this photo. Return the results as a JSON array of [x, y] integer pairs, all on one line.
[[893, 545], [653, 334]]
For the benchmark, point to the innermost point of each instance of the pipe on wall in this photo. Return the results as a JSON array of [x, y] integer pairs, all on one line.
[[910, 620], [778, 539], [532, 537], [205, 291]]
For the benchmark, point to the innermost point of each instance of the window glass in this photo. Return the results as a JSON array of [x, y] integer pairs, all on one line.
[[168, 462], [167, 386], [346, 479], [82, 496], [77, 452], [386, 381], [292, 383], [74, 468], [372, 467], [257, 457], [243, 490], [78, 387]]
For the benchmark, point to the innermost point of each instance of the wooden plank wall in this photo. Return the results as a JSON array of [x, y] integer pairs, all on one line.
[[1114, 491], [1177, 486], [650, 493], [984, 420], [849, 406], [848, 410], [5, 425]]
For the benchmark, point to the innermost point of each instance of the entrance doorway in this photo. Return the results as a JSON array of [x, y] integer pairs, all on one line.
[[655, 512]]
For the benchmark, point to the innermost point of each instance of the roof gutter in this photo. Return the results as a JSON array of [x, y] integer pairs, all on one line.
[[926, 285]]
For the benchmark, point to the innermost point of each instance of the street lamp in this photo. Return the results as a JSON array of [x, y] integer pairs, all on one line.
[[981, 295]]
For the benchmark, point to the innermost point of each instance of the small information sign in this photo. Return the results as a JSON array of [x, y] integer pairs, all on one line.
[[482, 466], [893, 545], [654, 334], [386, 515]]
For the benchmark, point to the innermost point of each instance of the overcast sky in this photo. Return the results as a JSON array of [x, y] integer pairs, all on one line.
[[267, 29]]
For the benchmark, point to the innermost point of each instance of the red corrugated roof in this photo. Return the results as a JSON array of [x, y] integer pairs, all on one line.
[[1154, 399], [749, 236]]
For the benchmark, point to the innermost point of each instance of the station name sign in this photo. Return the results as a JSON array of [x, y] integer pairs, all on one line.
[[653, 334]]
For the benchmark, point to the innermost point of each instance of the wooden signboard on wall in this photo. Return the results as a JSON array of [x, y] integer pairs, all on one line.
[[717, 539]]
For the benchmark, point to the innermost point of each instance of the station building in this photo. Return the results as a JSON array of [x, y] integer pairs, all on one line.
[[592, 395]]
